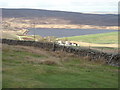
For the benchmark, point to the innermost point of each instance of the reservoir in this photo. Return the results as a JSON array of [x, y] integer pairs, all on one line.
[[66, 32]]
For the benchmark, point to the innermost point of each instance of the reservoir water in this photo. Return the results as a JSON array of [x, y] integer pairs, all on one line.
[[66, 32]]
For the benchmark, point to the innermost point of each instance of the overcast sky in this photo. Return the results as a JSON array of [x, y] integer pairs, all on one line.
[[64, 5]]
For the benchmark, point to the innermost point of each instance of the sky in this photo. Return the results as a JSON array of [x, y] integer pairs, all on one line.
[[96, 6]]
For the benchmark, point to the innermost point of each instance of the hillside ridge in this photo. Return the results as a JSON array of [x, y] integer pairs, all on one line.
[[62, 17]]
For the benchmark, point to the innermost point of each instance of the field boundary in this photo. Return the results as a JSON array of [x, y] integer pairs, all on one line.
[[111, 59]]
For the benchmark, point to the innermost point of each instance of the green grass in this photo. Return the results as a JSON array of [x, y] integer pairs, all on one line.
[[72, 72], [104, 38]]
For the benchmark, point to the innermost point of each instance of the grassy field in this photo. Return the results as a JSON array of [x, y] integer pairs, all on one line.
[[104, 38], [29, 67]]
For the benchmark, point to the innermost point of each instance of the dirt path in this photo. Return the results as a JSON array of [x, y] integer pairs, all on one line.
[[95, 45]]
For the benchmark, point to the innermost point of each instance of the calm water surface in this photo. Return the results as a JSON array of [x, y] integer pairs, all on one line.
[[65, 32]]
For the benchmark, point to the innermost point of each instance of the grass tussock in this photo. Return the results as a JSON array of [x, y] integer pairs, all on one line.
[[29, 67]]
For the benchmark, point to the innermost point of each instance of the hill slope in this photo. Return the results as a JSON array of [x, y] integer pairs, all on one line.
[[104, 38], [62, 17], [30, 67]]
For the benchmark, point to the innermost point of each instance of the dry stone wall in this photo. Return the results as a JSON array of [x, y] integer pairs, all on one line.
[[111, 59]]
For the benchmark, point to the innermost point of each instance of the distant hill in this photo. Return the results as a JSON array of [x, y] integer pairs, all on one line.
[[68, 17]]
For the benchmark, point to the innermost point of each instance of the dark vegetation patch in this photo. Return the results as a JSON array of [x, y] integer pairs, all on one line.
[[62, 17]]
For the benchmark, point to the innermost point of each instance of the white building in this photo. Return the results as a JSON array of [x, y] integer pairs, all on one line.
[[67, 43]]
